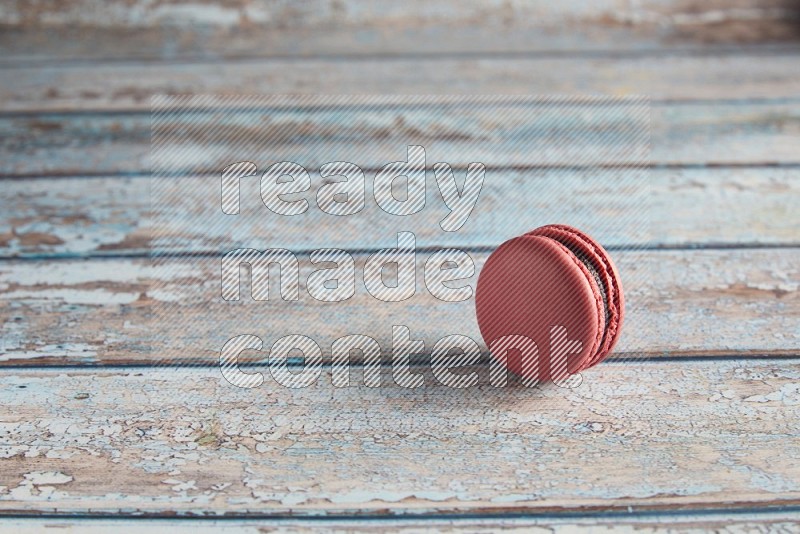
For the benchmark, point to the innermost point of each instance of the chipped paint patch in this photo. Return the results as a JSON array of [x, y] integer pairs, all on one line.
[[47, 477], [79, 350], [789, 395], [76, 296]]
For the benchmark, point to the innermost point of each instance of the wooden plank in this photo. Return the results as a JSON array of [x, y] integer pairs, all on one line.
[[128, 86], [122, 311], [682, 134], [82, 216], [669, 436], [91, 30], [778, 521], [312, 14]]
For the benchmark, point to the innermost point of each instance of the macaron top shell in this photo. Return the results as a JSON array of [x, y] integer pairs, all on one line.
[[530, 285]]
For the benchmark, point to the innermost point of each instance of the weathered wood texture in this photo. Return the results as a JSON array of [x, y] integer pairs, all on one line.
[[121, 311], [626, 523], [680, 207], [123, 30], [645, 437], [689, 134], [687, 439], [128, 86]]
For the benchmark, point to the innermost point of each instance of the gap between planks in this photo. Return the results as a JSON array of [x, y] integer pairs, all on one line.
[[687, 521], [11, 63]]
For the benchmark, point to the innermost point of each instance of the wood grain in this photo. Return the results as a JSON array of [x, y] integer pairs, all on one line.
[[123, 311], [179, 30], [688, 134], [83, 216], [129, 86], [643, 437]]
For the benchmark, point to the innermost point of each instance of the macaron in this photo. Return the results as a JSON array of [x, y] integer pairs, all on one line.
[[557, 287]]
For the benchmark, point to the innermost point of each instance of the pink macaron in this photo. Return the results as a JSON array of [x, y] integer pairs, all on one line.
[[557, 287]]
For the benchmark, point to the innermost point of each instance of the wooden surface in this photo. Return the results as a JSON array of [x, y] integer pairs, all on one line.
[[720, 134], [692, 425], [179, 440], [108, 311], [686, 207], [627, 522], [710, 75], [180, 30]]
